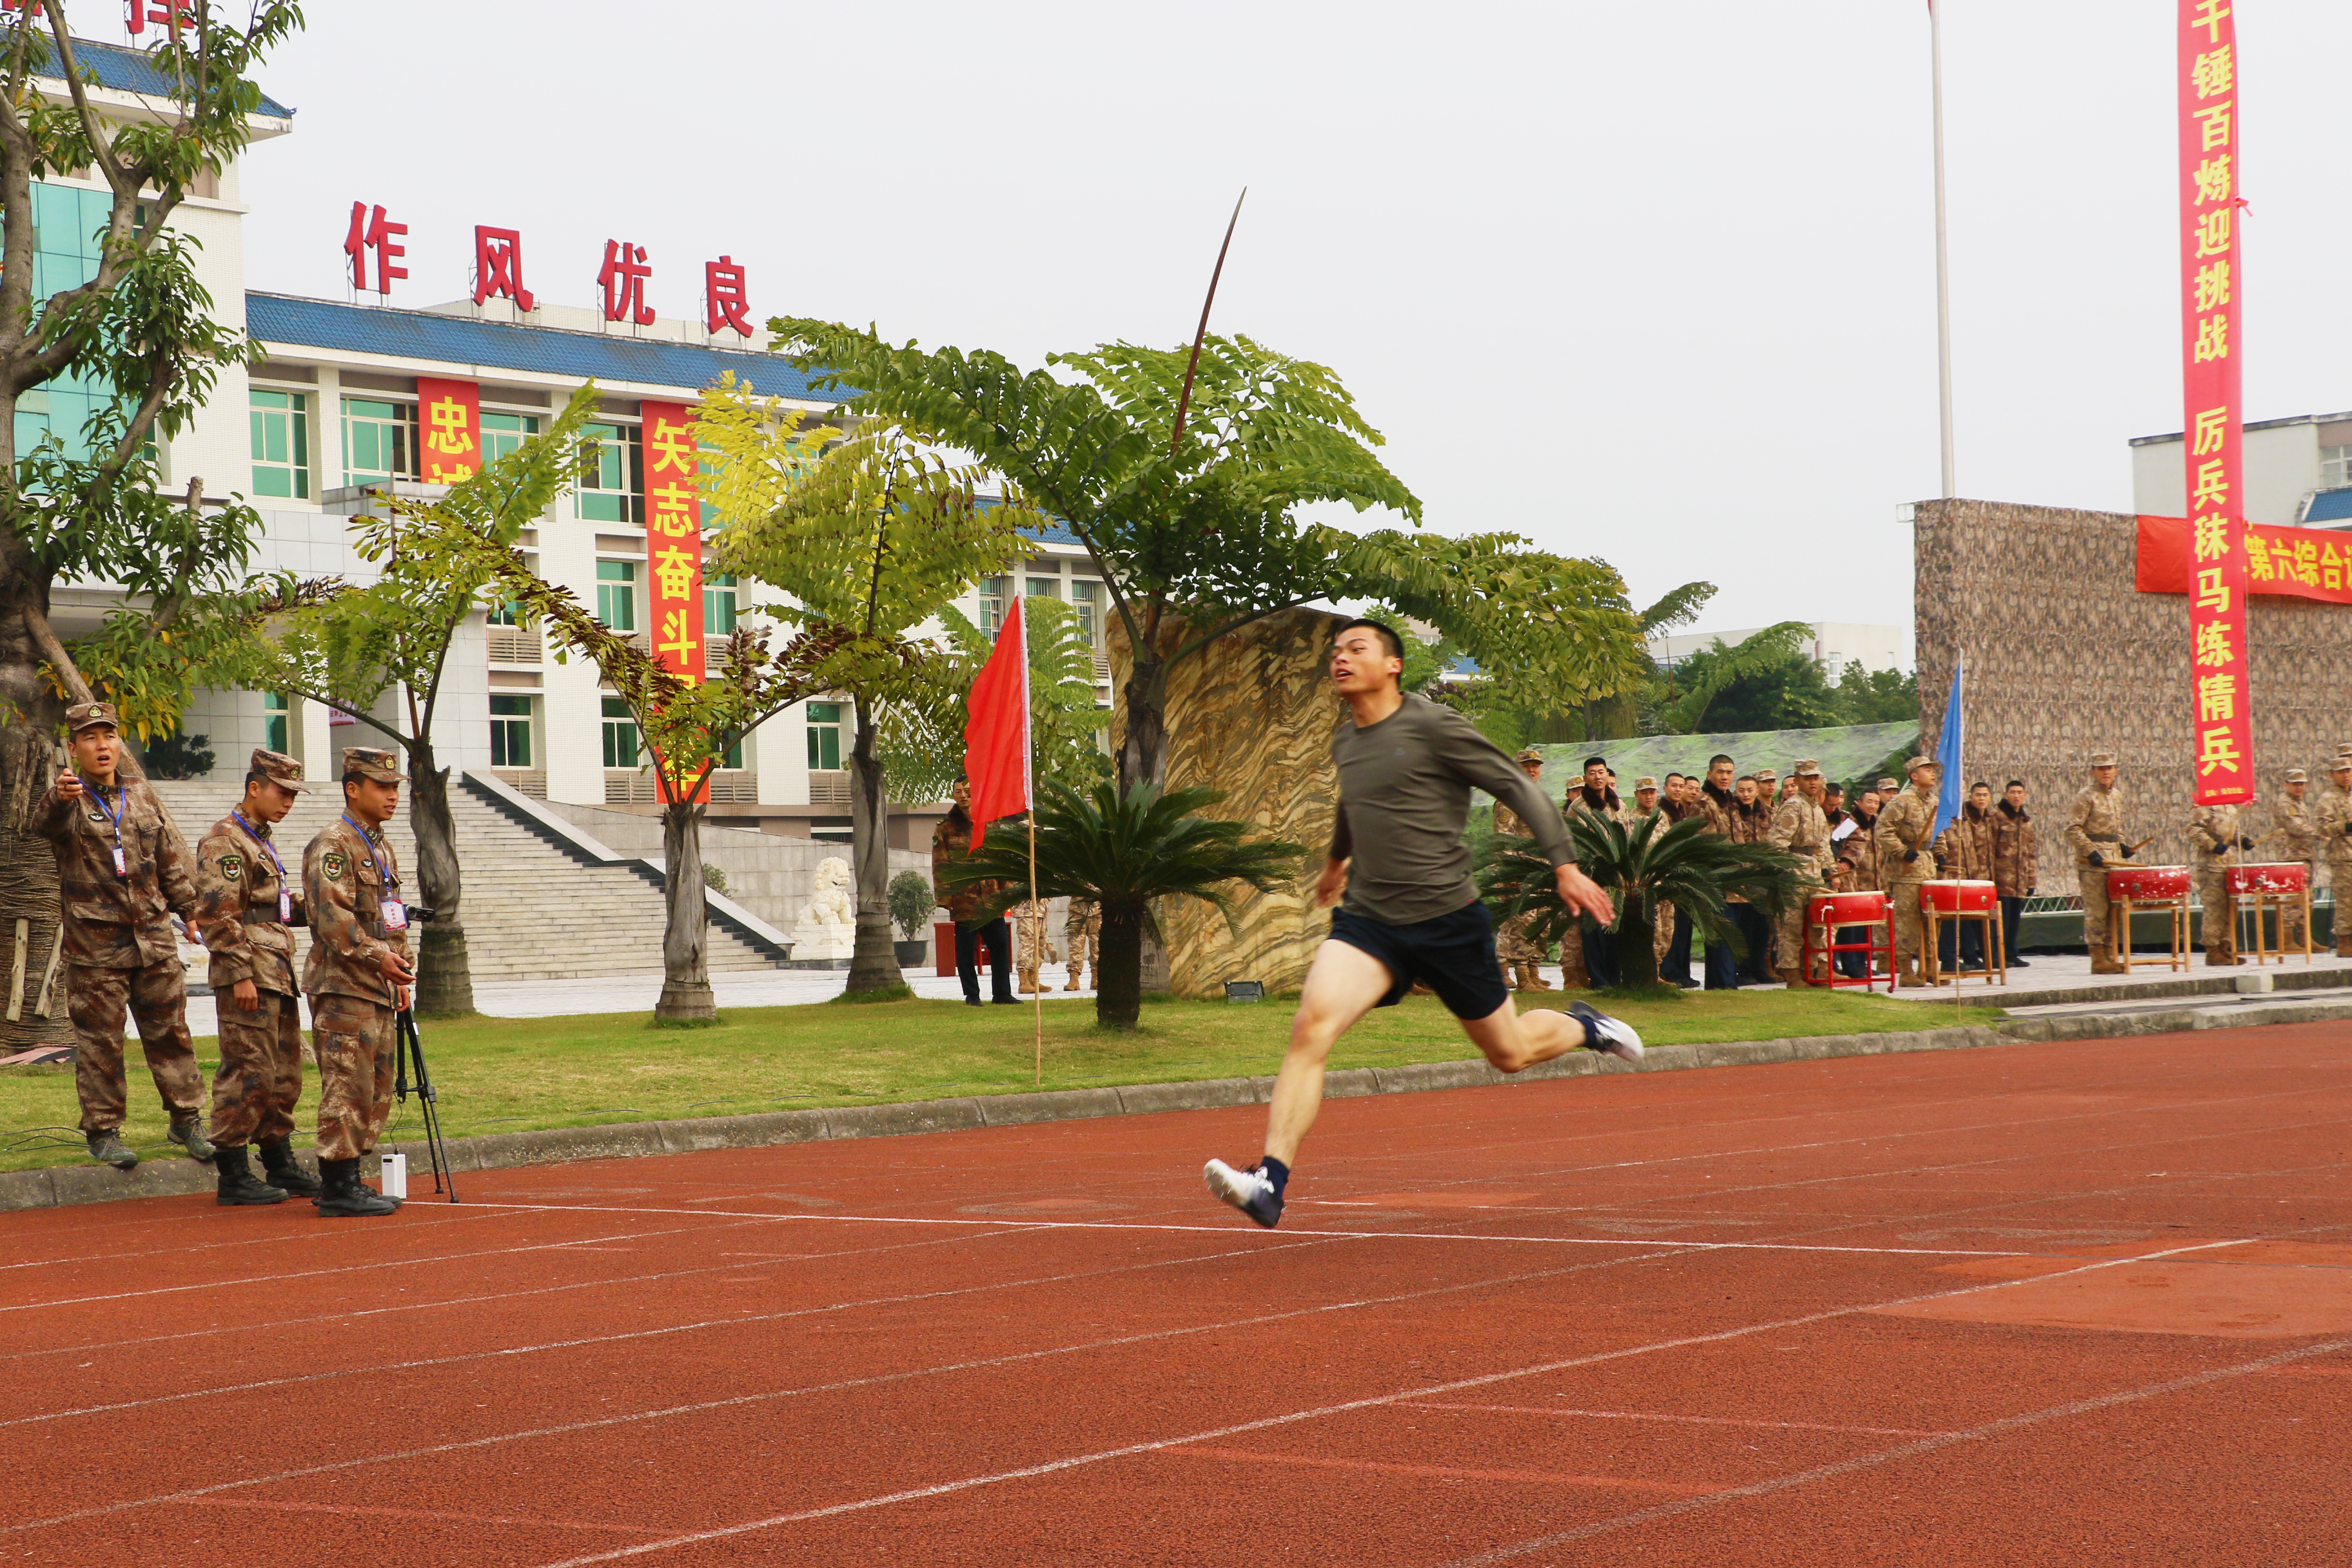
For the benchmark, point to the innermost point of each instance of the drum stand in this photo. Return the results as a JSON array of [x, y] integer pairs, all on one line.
[[1877, 942], [2278, 901], [2120, 933], [1996, 972]]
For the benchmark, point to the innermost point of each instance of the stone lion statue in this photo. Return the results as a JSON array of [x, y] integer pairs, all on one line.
[[830, 919]]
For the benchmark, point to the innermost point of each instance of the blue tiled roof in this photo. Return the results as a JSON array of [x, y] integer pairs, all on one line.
[[133, 71], [2330, 506], [291, 320]]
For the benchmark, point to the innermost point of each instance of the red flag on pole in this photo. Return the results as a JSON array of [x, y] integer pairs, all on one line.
[[996, 735]]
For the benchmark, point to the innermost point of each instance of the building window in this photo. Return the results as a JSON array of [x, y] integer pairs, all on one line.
[[379, 441], [613, 480], [277, 724], [2334, 466], [282, 444], [507, 612], [1084, 600], [734, 757], [616, 594], [620, 734], [66, 227], [1044, 587], [825, 736], [717, 605], [992, 603], [503, 433], [509, 731]]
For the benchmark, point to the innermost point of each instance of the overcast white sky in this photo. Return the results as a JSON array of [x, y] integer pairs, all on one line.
[[1643, 280]]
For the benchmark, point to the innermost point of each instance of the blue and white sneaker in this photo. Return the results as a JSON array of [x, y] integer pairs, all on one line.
[[1602, 1032], [1249, 1190]]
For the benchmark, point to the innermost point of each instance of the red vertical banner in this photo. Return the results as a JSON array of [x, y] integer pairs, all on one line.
[[2211, 288], [673, 542], [448, 430]]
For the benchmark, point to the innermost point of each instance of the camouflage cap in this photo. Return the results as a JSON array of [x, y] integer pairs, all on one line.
[[278, 768], [1916, 764], [373, 763], [2340, 764], [2103, 759], [1807, 769], [89, 716], [2296, 775], [1530, 754], [1886, 784], [1766, 773], [1644, 782]]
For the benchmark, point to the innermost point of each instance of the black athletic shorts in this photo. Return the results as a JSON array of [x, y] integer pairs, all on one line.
[[1452, 954]]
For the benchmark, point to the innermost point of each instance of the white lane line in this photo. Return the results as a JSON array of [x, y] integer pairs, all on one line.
[[875, 1380], [1692, 1420], [1883, 1456], [1050, 1467], [76, 1259]]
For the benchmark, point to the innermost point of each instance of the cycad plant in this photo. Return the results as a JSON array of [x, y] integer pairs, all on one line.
[[1641, 867], [1124, 850]]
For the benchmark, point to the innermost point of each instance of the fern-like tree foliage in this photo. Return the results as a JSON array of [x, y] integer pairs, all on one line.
[[1125, 848], [1640, 867], [1775, 665], [1200, 536], [872, 535], [140, 331], [922, 742], [348, 647]]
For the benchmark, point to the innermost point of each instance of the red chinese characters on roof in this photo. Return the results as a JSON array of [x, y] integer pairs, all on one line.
[[374, 234], [725, 305], [624, 278], [497, 267]]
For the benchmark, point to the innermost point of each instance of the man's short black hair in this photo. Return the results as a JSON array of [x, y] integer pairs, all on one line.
[[1718, 757], [1980, 784], [2015, 783], [1601, 762], [255, 775], [1670, 777], [1388, 634], [351, 778], [1834, 787]]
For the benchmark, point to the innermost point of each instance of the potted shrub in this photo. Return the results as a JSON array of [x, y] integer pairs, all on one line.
[[911, 904]]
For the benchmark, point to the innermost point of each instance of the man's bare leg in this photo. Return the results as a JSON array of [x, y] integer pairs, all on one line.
[[1342, 985], [1513, 1041]]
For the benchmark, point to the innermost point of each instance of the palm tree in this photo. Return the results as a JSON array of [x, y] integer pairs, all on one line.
[[1125, 850], [1641, 867]]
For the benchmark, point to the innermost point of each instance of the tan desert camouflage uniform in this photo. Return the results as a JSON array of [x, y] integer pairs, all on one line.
[[2296, 824], [1801, 828], [250, 932], [2095, 824], [1081, 934], [347, 875], [1030, 947], [2213, 836], [121, 957], [1904, 825], [2333, 815]]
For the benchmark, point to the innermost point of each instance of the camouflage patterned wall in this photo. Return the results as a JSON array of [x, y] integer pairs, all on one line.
[[2066, 658]]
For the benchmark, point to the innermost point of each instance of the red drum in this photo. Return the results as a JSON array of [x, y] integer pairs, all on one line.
[[2143, 884], [2288, 877], [1958, 897], [1845, 909]]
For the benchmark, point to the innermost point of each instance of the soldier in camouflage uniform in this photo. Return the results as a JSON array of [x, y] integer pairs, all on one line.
[[1907, 859], [1800, 829], [1081, 932], [250, 908], [123, 870], [358, 975], [2095, 832], [2213, 837], [2016, 865], [1661, 913], [1030, 947], [1521, 959], [2334, 818], [2295, 824]]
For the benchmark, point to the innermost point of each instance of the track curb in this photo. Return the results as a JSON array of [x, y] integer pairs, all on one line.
[[60, 1186]]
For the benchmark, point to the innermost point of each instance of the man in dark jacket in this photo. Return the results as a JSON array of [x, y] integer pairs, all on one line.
[[951, 842]]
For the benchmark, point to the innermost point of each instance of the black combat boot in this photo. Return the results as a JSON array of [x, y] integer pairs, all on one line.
[[277, 1159], [344, 1198], [238, 1186]]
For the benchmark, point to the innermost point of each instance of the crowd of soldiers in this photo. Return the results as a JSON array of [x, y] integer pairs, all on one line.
[[1883, 840], [126, 875]]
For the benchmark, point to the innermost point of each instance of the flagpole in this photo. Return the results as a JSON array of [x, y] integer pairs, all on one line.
[[1029, 792], [1942, 270]]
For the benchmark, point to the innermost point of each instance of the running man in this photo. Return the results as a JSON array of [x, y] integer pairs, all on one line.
[[1407, 767]]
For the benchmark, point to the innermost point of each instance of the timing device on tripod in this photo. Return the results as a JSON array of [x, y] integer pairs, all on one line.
[[410, 1071]]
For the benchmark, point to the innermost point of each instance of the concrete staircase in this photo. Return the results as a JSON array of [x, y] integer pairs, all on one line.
[[540, 903]]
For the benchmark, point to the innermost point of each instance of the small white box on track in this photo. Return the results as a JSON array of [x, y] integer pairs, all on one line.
[[396, 1176]]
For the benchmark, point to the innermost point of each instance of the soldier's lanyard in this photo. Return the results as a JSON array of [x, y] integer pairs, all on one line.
[[395, 913], [284, 894], [122, 862]]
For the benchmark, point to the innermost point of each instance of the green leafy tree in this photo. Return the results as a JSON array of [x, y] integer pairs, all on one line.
[[350, 646], [1640, 867], [1126, 849], [873, 536], [922, 732], [1184, 481], [1769, 682], [911, 903], [87, 505], [1877, 697]]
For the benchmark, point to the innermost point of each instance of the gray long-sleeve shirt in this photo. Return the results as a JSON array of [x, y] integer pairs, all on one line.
[[1404, 796]]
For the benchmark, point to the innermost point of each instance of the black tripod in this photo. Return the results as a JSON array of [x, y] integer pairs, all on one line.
[[409, 1049]]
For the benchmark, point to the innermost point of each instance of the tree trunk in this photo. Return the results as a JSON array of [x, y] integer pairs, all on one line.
[[28, 894], [445, 979], [874, 959], [1143, 750], [1119, 965], [1637, 952], [686, 969]]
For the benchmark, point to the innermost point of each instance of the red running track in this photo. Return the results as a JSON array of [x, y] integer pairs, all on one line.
[[2070, 1304]]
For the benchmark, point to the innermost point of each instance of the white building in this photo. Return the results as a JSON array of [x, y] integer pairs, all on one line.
[[2298, 473], [332, 414], [1835, 644]]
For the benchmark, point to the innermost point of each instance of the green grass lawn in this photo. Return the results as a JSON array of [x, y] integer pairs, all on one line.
[[503, 1075]]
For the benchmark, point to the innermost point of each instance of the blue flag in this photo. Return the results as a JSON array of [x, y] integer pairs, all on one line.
[[1948, 755]]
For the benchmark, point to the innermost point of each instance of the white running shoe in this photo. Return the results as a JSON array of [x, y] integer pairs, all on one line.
[[1249, 1190], [1603, 1032]]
